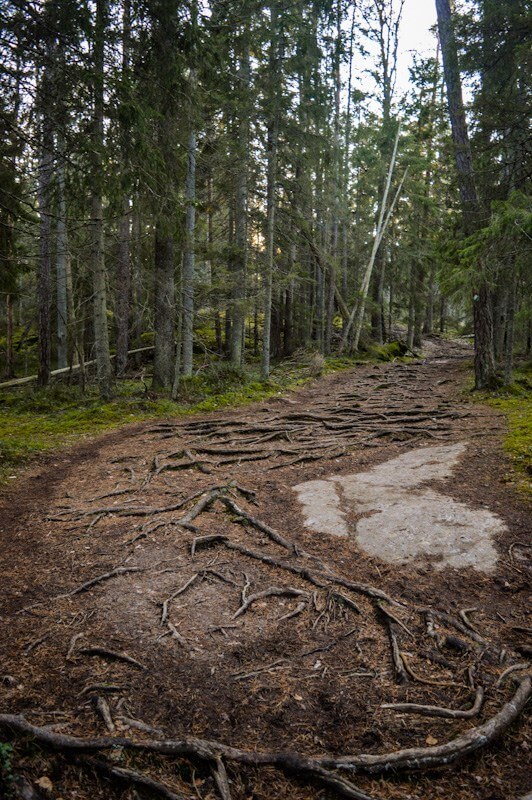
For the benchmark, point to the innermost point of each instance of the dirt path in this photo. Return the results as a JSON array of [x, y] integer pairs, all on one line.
[[251, 620]]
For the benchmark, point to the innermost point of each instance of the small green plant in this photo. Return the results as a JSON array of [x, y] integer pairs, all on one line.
[[7, 777]]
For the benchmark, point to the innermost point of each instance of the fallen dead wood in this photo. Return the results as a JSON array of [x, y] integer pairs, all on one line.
[[438, 711]]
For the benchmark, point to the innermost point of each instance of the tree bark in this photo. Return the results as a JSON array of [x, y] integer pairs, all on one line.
[[96, 228], [272, 142], [123, 267], [239, 261], [9, 370], [189, 257], [62, 259], [482, 314], [163, 364], [45, 236]]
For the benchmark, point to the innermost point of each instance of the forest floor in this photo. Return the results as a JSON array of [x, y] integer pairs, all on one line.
[[167, 583]]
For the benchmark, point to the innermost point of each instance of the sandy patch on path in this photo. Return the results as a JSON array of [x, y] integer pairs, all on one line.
[[402, 518]]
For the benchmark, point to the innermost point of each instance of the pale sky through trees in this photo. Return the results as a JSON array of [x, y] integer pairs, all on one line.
[[418, 17]]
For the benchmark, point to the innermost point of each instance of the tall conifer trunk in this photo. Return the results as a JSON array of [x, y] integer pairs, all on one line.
[[97, 241], [482, 312], [239, 261], [45, 243], [62, 262], [272, 144], [123, 267]]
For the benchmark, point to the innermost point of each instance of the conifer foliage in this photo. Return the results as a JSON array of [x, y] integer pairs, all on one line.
[[237, 179]]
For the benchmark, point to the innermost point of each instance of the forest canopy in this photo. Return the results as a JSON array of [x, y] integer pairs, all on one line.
[[240, 180]]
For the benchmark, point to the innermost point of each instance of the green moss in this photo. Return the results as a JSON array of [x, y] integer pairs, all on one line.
[[515, 401], [388, 351], [34, 420]]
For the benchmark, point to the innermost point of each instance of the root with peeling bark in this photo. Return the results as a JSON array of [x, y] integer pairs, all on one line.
[[318, 768]]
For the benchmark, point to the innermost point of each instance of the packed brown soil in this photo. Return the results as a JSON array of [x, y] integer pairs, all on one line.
[[306, 670]]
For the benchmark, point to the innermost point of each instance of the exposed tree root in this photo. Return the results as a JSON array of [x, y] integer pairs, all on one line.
[[114, 656], [129, 776], [437, 711], [98, 579], [273, 591], [311, 768]]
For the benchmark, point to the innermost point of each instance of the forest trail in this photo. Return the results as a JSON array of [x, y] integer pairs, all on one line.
[[177, 579]]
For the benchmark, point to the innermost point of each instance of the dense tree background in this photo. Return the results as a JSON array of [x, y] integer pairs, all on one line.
[[239, 180]]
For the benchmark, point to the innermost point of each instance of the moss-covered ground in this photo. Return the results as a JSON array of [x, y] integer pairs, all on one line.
[[35, 420], [515, 401]]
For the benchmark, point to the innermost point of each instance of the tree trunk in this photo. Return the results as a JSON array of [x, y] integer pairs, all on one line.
[[272, 139], [510, 316], [45, 240], [123, 281], [62, 259], [163, 363], [9, 370], [482, 316], [335, 184], [239, 260], [96, 228], [189, 258], [123, 271], [136, 274], [357, 314]]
